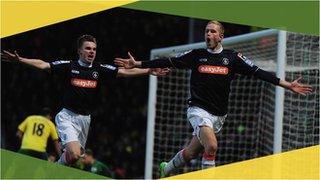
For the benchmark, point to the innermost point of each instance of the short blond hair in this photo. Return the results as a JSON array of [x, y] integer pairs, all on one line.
[[217, 23]]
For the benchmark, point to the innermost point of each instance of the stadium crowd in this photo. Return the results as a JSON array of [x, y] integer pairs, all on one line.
[[118, 128]]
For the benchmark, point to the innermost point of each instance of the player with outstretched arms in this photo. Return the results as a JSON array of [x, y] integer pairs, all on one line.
[[82, 80], [212, 69]]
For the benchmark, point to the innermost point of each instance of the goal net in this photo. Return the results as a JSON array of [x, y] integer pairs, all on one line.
[[248, 131]]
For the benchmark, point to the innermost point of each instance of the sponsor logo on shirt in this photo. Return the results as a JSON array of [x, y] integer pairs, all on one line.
[[213, 69], [94, 169], [245, 59], [60, 62], [203, 60], [84, 83], [250, 63], [183, 53], [75, 71], [108, 66]]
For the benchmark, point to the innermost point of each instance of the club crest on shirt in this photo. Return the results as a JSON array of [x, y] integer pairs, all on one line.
[[225, 61], [95, 74]]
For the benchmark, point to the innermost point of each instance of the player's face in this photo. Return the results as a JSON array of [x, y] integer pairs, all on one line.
[[88, 51], [212, 36]]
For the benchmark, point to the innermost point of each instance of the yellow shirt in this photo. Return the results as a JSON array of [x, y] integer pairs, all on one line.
[[36, 130]]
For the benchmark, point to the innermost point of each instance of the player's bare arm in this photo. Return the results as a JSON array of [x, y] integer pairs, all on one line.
[[130, 63], [19, 134], [296, 87], [138, 72], [57, 147], [159, 71], [14, 57]]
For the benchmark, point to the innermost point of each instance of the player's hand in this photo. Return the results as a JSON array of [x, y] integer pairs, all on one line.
[[159, 71], [300, 88], [10, 57], [128, 63]]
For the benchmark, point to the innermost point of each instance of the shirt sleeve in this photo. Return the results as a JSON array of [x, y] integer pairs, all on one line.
[[267, 76], [243, 65], [22, 126], [60, 67], [108, 71], [181, 61]]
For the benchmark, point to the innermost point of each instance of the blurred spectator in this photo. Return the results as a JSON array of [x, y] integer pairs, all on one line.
[[95, 166], [34, 132], [78, 164]]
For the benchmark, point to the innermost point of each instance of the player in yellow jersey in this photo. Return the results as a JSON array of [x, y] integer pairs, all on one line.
[[34, 132]]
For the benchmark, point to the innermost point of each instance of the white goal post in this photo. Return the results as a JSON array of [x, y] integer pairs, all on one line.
[[251, 101]]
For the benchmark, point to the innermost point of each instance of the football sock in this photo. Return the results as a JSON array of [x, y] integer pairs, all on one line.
[[176, 162], [207, 161]]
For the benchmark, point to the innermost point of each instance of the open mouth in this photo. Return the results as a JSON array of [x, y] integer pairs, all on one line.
[[207, 40]]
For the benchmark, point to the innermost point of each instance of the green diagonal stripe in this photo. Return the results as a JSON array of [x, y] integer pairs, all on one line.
[[17, 166], [295, 16]]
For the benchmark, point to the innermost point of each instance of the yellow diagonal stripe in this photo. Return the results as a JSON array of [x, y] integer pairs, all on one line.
[[21, 16], [297, 164]]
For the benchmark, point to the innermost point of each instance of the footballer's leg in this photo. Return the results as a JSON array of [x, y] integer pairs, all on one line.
[[62, 159], [69, 126], [182, 157], [71, 154], [209, 142]]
